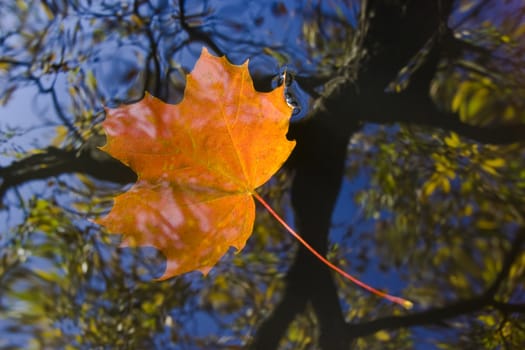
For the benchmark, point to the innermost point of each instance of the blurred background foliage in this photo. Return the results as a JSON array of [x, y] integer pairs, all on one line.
[[424, 212]]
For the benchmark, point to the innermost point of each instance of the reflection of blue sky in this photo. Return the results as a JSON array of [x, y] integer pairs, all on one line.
[[20, 115]]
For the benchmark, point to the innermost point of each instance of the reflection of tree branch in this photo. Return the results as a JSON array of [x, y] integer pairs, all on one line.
[[60, 112], [475, 11], [293, 302], [515, 250], [413, 105], [507, 308], [436, 316], [306, 281], [401, 109], [195, 33], [315, 188], [433, 316], [153, 56], [54, 161]]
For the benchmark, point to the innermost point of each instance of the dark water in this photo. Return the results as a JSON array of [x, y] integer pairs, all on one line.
[[431, 208]]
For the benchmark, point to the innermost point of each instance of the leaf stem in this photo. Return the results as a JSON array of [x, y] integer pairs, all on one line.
[[403, 302]]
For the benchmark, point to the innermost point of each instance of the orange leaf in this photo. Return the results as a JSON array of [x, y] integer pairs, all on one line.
[[198, 164]]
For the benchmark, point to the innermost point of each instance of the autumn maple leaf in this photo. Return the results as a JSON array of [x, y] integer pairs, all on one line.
[[198, 165]]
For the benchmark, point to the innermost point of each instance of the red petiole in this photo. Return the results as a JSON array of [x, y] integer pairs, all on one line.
[[403, 302]]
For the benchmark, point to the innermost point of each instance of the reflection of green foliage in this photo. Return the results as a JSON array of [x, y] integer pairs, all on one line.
[[479, 100], [386, 340], [485, 84], [331, 39], [71, 292], [489, 331], [63, 284], [446, 208], [69, 286], [302, 333]]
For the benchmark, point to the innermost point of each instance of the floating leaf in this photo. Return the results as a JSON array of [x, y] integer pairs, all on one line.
[[198, 164]]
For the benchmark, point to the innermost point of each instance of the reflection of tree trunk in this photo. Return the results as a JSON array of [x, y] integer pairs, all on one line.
[[319, 168], [318, 163], [54, 162]]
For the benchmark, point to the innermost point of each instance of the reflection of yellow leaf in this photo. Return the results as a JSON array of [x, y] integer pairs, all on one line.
[[489, 169], [297, 334], [486, 81], [62, 132], [91, 81], [430, 186], [486, 224], [382, 336], [441, 168], [458, 281], [438, 179], [520, 30], [487, 319], [453, 140], [509, 113], [467, 186], [440, 159], [49, 276], [490, 165], [48, 12], [477, 101], [495, 163], [466, 5], [505, 39], [391, 183], [518, 268], [463, 112], [460, 95], [445, 184], [22, 5], [136, 20], [281, 59], [506, 330], [445, 171]]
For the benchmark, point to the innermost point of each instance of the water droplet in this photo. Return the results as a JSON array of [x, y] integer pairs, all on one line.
[[289, 79]]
